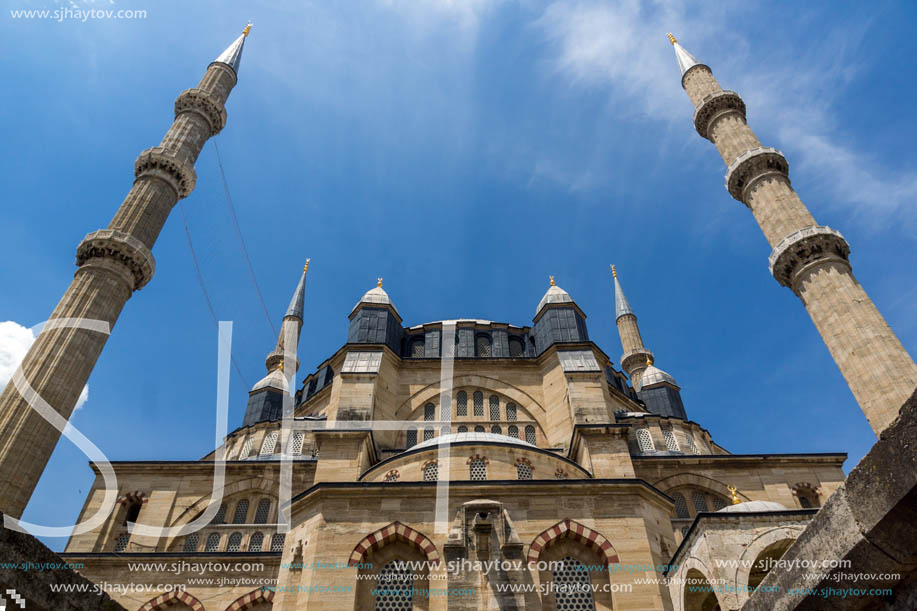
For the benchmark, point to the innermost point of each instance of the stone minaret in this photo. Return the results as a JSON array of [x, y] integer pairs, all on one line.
[[111, 264], [810, 259], [636, 357]]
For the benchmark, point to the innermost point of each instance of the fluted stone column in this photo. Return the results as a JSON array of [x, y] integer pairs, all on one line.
[[111, 264], [810, 259]]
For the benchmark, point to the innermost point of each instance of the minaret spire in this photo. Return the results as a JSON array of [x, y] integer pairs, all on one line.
[[685, 60], [290, 329], [232, 56], [636, 357], [112, 263], [808, 258]]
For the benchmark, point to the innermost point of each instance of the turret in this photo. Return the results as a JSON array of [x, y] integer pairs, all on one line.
[[558, 319], [375, 320]]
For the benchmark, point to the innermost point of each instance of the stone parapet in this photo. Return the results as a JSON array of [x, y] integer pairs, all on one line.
[[205, 104], [715, 105], [753, 165], [804, 248], [121, 248], [162, 163]]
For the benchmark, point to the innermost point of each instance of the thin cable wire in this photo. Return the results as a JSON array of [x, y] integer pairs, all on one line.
[[200, 281], [238, 231]]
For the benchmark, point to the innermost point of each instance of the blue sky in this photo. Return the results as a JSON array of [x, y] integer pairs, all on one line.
[[464, 151]]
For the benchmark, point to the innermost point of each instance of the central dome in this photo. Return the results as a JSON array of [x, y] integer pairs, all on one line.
[[470, 437]]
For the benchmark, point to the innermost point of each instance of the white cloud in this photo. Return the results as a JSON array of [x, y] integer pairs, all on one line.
[[15, 341]]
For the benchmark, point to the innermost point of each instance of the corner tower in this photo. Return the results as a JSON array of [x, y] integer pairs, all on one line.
[[808, 258], [112, 263]]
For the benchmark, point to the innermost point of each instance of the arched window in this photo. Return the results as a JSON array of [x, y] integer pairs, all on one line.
[[479, 429], [496, 430], [573, 589], [277, 540], [213, 542], [560, 474], [392, 476], [511, 412], [394, 586], [462, 404], [494, 407], [427, 433], [255, 542], [220, 516], [523, 471], [478, 403], [241, 512], [645, 441], [121, 542], [482, 346], [133, 510], [431, 472], [410, 438], [429, 412], [270, 440], [807, 496], [445, 410], [190, 543], [261, 514], [417, 347], [805, 503], [235, 543], [444, 430], [296, 443], [516, 347], [530, 434], [671, 444], [246, 449], [463, 429], [700, 503], [514, 431], [477, 469], [718, 503], [681, 507]]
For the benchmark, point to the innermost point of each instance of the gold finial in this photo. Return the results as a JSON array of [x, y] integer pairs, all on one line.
[[247, 29], [379, 283], [280, 366], [735, 496], [305, 267], [671, 38], [649, 360], [613, 272], [552, 280]]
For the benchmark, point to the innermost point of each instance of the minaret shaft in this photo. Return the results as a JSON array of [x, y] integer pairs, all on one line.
[[635, 357], [112, 263], [809, 259]]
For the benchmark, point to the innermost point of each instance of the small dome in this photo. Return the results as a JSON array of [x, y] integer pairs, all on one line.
[[555, 294], [470, 436], [653, 375], [376, 295], [752, 506], [274, 379]]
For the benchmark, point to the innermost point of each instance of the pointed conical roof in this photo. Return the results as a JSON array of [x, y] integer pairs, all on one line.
[[554, 294], [232, 56], [622, 307], [375, 296], [685, 60], [274, 379], [299, 295], [652, 375]]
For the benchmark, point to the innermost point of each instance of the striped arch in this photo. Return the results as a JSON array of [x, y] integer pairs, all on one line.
[[576, 531], [394, 531], [164, 601], [247, 601]]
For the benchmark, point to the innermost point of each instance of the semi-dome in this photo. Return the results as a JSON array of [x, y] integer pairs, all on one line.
[[554, 294], [375, 296], [472, 437], [653, 375], [752, 506]]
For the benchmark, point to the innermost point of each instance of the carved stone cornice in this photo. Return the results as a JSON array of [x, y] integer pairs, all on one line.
[[635, 359], [162, 163], [122, 248], [204, 104], [753, 165], [714, 106], [804, 248]]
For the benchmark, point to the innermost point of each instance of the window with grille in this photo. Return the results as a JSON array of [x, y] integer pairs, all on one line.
[[246, 449], [463, 429], [121, 542], [573, 589], [560, 474], [394, 586], [241, 512], [496, 430], [645, 441], [523, 471], [213, 542], [267, 448], [530, 434], [671, 444], [391, 476], [235, 542], [427, 433], [296, 443], [681, 507], [479, 429], [718, 503], [494, 407], [429, 412], [277, 542], [684, 530], [479, 403], [462, 404], [482, 345], [692, 447], [445, 410], [511, 412], [700, 503], [264, 508], [255, 542], [417, 348], [190, 543], [445, 430], [431, 472], [220, 516], [514, 431], [478, 469], [516, 347], [411, 438], [805, 503]]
